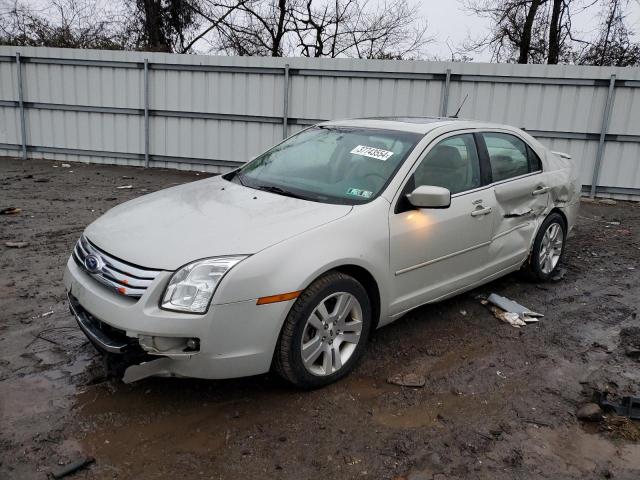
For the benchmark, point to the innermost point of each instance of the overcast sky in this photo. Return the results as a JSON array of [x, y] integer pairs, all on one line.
[[450, 22]]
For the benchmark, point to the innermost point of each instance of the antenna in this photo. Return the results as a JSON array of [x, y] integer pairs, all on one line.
[[460, 107]]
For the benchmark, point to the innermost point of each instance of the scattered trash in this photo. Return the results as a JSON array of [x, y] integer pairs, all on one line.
[[627, 407], [590, 412], [124, 187], [16, 244], [511, 312], [559, 275], [608, 201], [65, 165], [407, 380], [46, 314], [614, 223], [507, 317], [10, 211], [72, 467], [500, 374]]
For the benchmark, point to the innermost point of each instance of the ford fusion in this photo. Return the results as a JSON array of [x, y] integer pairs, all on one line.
[[292, 260]]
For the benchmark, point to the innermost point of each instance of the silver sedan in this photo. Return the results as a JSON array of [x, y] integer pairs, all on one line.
[[289, 262]]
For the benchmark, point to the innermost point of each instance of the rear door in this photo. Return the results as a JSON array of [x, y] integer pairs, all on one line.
[[521, 195]]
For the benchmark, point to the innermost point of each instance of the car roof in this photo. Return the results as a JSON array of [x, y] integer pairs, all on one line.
[[421, 125]]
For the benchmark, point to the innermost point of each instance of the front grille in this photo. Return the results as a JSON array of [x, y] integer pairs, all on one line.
[[125, 278]]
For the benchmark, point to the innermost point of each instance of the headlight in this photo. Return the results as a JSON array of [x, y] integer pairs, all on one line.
[[191, 287]]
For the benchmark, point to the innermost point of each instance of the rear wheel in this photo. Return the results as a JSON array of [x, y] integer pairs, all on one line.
[[325, 332], [548, 248]]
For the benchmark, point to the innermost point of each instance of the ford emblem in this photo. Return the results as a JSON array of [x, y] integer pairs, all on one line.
[[93, 263]]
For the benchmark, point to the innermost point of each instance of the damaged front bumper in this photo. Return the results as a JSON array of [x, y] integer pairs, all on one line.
[[231, 340]]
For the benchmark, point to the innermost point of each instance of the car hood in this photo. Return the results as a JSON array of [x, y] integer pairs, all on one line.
[[207, 218]]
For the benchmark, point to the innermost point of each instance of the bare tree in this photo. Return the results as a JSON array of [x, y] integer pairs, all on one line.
[[517, 33], [540, 31], [314, 28], [62, 23], [331, 28], [612, 44], [255, 27]]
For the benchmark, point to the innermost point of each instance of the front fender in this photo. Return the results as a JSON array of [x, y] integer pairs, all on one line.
[[360, 238]]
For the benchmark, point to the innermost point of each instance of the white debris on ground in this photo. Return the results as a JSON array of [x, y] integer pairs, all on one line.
[[511, 312]]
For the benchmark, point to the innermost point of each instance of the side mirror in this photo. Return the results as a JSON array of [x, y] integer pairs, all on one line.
[[429, 196]]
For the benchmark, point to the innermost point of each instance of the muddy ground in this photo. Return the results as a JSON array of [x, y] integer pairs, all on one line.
[[498, 402]]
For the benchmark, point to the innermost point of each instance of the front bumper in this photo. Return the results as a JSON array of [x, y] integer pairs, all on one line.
[[235, 339]]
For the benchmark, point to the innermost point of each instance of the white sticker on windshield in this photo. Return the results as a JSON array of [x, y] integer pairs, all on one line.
[[371, 152], [359, 193]]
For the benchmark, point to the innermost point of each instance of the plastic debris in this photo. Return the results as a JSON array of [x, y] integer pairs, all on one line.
[[508, 317], [16, 244], [10, 211], [627, 407], [512, 312], [124, 187], [65, 165], [407, 380], [72, 467]]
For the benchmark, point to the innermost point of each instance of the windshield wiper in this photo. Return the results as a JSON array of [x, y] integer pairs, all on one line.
[[279, 191]]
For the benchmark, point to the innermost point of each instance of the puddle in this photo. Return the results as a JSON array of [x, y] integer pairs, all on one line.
[[29, 403], [581, 451], [437, 409], [36, 403]]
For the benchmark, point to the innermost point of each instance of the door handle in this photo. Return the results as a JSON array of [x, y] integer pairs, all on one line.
[[481, 211], [540, 190]]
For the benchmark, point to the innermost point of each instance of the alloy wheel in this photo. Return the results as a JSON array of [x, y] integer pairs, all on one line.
[[331, 334], [551, 248]]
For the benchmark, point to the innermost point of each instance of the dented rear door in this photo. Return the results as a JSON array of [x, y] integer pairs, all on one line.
[[521, 189]]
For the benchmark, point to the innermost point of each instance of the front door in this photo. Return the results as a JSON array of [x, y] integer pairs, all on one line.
[[435, 252]]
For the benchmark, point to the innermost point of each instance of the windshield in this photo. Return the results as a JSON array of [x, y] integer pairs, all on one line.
[[329, 164]]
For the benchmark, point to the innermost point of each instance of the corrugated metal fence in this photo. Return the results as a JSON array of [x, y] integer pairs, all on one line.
[[213, 113]]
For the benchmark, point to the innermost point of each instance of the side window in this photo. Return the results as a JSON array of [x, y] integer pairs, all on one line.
[[453, 163], [507, 154]]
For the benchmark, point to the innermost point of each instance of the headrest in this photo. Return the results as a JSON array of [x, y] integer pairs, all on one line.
[[445, 156]]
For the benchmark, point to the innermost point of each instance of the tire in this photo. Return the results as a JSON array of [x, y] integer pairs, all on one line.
[[547, 249], [333, 345]]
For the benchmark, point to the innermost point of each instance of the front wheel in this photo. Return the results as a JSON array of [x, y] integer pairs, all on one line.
[[325, 333], [548, 248]]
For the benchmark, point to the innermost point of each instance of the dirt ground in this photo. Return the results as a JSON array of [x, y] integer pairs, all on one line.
[[499, 402]]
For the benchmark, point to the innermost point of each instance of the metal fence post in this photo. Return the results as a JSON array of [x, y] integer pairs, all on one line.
[[146, 113], [23, 127], [444, 101], [285, 111], [603, 133]]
